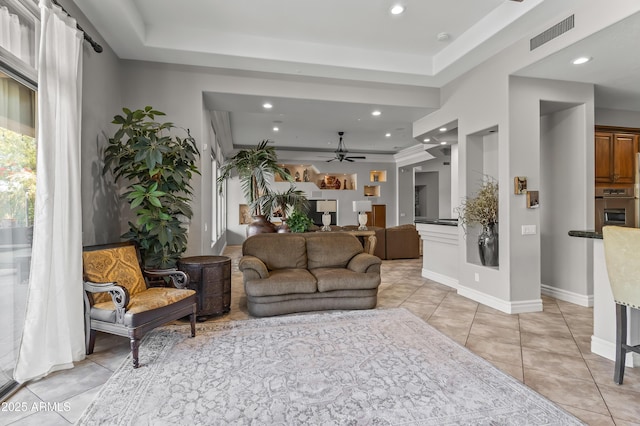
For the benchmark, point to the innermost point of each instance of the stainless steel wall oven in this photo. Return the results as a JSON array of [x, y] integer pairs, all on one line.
[[616, 206]]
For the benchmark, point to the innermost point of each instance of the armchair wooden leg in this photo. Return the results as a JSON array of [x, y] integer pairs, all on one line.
[[192, 318], [621, 343], [135, 343], [90, 341]]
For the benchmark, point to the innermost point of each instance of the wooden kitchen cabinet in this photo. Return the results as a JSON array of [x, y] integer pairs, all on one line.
[[615, 157]]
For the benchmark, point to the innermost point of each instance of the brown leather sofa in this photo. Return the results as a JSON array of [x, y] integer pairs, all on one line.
[[396, 242], [402, 242]]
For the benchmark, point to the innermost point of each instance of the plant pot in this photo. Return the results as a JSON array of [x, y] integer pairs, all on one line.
[[260, 225], [283, 228], [488, 245]]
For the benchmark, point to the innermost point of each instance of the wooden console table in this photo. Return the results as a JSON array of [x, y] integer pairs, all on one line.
[[367, 238], [210, 277]]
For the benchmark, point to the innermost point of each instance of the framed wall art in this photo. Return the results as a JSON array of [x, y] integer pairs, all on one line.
[[519, 185]]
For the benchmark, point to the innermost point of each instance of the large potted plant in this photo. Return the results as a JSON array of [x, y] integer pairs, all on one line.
[[157, 167], [281, 204], [256, 167], [483, 210]]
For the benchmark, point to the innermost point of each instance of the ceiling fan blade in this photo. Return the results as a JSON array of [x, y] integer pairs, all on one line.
[[328, 161], [348, 159], [357, 157]]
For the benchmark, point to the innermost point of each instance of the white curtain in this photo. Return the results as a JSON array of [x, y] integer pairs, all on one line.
[[53, 336]]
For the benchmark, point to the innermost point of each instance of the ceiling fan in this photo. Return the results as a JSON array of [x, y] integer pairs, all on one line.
[[341, 152]]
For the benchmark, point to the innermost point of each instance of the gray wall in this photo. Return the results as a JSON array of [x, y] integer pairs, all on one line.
[[564, 264], [572, 180], [616, 117], [101, 100]]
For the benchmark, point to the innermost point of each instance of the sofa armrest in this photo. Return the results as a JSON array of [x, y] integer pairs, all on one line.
[[364, 262], [252, 263]]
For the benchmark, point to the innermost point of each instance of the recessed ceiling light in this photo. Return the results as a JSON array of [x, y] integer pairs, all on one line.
[[443, 143], [376, 113], [397, 9], [581, 60], [443, 36], [267, 105], [275, 129], [443, 129], [426, 140], [388, 135]]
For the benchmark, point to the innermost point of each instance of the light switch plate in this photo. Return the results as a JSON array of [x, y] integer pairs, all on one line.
[[529, 229]]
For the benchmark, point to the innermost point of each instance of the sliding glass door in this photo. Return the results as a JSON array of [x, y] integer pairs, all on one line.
[[17, 195]]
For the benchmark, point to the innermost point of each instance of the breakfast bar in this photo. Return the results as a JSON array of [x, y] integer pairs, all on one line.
[[604, 313]]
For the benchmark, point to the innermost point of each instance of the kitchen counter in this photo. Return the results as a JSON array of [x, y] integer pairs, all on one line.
[[446, 222], [604, 313], [586, 234]]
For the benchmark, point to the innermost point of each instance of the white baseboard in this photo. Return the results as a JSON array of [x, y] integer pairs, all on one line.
[[567, 296], [442, 279], [518, 307], [607, 350]]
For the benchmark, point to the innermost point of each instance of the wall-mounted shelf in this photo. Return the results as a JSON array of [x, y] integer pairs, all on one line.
[[378, 176], [304, 173], [371, 190]]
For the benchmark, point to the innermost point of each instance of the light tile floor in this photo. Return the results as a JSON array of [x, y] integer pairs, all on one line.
[[548, 351]]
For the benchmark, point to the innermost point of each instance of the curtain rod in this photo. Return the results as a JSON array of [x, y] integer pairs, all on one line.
[[87, 37]]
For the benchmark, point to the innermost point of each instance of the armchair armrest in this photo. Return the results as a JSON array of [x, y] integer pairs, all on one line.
[[363, 262], [119, 296], [179, 279], [253, 263]]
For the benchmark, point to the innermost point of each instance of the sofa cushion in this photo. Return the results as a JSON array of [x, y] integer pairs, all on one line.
[[331, 250], [277, 251], [330, 279], [282, 281]]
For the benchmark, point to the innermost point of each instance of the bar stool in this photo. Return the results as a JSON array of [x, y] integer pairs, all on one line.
[[622, 257]]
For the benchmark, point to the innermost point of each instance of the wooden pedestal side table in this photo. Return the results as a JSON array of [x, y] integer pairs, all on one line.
[[210, 277]]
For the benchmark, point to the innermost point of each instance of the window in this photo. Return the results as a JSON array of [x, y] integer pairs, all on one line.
[[17, 196], [214, 199], [17, 174]]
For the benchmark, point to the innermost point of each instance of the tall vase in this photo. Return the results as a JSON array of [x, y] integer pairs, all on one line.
[[488, 245], [260, 225]]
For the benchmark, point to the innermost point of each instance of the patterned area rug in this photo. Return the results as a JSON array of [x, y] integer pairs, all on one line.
[[381, 367]]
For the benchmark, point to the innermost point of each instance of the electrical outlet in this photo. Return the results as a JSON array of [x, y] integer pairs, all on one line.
[[529, 229], [476, 276]]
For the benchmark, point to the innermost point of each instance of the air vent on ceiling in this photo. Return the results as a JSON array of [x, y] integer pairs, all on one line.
[[553, 32]]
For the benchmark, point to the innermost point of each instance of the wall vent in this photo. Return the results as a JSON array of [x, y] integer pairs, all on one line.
[[553, 32]]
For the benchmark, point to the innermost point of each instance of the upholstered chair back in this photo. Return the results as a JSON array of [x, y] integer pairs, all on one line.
[[277, 251], [622, 257], [117, 264]]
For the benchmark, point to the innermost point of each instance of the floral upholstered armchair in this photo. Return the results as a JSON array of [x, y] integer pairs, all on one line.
[[118, 300]]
